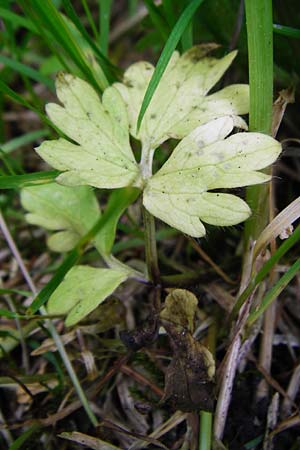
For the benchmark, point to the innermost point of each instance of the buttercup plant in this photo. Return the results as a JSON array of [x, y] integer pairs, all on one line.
[[100, 155]]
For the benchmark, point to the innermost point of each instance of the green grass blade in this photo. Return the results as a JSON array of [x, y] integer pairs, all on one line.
[[286, 31], [166, 54], [260, 50], [168, 6], [57, 278], [51, 19], [105, 63], [104, 21], [90, 18], [25, 139], [15, 291], [187, 37], [260, 61], [30, 179], [120, 199], [265, 270], [157, 19], [27, 71], [17, 20], [18, 443], [5, 89], [22, 101], [275, 291]]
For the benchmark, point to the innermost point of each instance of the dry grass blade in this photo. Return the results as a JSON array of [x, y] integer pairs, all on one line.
[[292, 390], [88, 441], [293, 421], [174, 420], [279, 224]]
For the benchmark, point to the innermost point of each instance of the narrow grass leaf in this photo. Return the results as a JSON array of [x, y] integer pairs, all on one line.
[[15, 291], [157, 19], [88, 441], [187, 36], [104, 22], [16, 20], [90, 18], [27, 71], [260, 61], [22, 101], [28, 179], [106, 66], [121, 199], [286, 31], [19, 442], [278, 225], [25, 139], [48, 16], [265, 270], [57, 278], [166, 54], [168, 6], [275, 291], [14, 315]]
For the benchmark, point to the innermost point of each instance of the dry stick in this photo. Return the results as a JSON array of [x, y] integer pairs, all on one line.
[[90, 392], [207, 259], [292, 391], [49, 324], [141, 379], [227, 370], [172, 422], [272, 418], [227, 373], [266, 348]]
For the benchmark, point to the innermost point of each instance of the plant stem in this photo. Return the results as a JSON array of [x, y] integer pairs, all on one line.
[[206, 418], [150, 247], [260, 50], [205, 430]]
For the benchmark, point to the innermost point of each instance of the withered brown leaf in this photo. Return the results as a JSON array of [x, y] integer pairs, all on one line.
[[189, 380]]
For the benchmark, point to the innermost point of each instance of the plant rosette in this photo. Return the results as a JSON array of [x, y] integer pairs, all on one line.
[[207, 158]]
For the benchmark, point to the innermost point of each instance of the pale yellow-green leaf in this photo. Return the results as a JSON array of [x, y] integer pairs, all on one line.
[[70, 210], [82, 290], [203, 161], [180, 102], [102, 156]]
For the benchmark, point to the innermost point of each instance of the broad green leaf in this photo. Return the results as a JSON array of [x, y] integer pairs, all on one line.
[[71, 211], [103, 157], [82, 290], [203, 161], [180, 102]]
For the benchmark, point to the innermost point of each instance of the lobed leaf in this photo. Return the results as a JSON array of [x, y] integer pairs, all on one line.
[[82, 290], [203, 161], [70, 211], [180, 103], [102, 156]]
